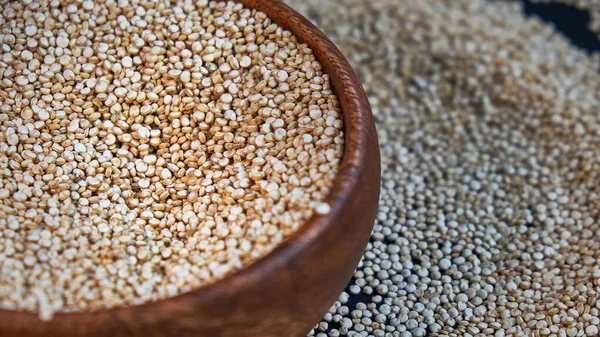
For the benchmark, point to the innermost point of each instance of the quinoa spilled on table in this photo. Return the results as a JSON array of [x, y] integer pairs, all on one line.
[[489, 127]]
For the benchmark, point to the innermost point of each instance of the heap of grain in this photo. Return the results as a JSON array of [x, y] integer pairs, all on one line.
[[150, 147], [489, 216]]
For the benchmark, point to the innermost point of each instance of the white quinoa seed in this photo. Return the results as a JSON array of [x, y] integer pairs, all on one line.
[[245, 61], [322, 208], [162, 138]]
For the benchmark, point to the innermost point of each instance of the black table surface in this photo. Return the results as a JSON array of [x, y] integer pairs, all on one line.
[[570, 21]]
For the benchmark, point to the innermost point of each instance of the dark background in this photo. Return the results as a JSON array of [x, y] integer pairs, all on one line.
[[568, 20]]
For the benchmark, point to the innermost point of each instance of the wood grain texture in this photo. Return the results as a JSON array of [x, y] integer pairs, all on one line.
[[285, 293]]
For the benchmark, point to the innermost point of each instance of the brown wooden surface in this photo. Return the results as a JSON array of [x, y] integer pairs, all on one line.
[[285, 293]]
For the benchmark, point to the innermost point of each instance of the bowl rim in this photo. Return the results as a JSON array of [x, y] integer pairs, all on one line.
[[357, 118]]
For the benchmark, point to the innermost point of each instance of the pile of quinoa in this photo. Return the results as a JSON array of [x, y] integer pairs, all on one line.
[[150, 147], [489, 125]]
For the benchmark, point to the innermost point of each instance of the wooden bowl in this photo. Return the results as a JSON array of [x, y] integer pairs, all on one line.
[[286, 292]]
